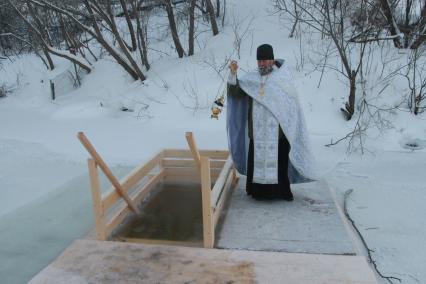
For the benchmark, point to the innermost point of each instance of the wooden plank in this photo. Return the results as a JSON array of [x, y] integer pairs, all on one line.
[[147, 187], [180, 153], [187, 179], [223, 198], [187, 172], [193, 147], [122, 213], [208, 226], [161, 242], [112, 197], [98, 210], [142, 171], [220, 182], [92, 151], [131, 180], [170, 163], [117, 219]]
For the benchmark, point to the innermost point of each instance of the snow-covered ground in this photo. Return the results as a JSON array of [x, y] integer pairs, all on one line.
[[387, 206], [44, 195]]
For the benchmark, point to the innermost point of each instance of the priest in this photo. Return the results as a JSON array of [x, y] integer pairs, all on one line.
[[267, 134]]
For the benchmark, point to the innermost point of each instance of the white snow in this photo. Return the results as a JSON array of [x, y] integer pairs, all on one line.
[[40, 154]]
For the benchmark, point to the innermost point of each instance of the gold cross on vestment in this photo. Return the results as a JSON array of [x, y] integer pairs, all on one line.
[[263, 81], [261, 90]]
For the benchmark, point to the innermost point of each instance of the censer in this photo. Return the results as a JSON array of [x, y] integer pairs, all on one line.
[[217, 108], [218, 104]]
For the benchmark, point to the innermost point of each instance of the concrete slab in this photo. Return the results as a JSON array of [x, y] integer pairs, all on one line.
[[89, 261], [309, 224]]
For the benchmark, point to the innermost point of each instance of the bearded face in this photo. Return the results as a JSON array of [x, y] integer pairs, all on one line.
[[265, 66]]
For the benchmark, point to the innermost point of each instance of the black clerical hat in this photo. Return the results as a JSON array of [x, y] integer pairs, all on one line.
[[265, 52]]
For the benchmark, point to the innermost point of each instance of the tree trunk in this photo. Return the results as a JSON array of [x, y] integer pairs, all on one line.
[[191, 28], [49, 59], [202, 8], [350, 105], [122, 45], [49, 48], [140, 36], [421, 29], [296, 13], [210, 10], [408, 6], [129, 24], [387, 11], [173, 29], [39, 24], [45, 50], [217, 8], [98, 35], [223, 14]]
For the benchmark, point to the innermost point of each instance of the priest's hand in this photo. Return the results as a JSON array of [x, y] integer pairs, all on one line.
[[233, 66]]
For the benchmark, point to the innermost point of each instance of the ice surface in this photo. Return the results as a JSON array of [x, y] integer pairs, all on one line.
[[35, 234]]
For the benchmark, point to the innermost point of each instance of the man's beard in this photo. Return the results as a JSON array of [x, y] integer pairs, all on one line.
[[265, 70]]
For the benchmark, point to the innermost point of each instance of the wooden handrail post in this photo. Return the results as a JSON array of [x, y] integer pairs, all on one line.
[[98, 210], [193, 147], [208, 225], [92, 151], [235, 177]]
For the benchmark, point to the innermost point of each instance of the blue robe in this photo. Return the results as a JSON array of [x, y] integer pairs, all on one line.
[[238, 140]]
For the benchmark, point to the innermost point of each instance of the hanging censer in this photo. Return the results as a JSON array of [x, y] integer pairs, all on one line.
[[219, 102], [217, 108]]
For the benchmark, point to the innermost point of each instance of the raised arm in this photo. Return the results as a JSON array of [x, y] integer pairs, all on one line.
[[233, 86]]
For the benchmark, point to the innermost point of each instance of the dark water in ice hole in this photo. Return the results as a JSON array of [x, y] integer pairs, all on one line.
[[173, 213]]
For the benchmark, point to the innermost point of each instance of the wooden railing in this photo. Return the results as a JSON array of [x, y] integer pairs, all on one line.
[[170, 165], [102, 204], [214, 199]]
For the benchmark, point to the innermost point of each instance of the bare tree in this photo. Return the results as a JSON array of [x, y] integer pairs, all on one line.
[[217, 8], [33, 47], [224, 13], [65, 28], [93, 13], [296, 20], [173, 28], [210, 10], [419, 30], [241, 29], [407, 18], [191, 28], [330, 19], [143, 50], [37, 30], [416, 77], [129, 24], [110, 19], [404, 20], [50, 49], [43, 33], [393, 27]]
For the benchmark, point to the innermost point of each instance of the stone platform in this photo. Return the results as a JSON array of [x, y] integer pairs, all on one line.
[[89, 261], [309, 224]]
